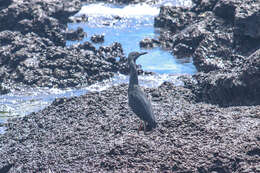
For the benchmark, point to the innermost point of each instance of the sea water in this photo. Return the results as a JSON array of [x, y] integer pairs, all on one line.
[[135, 24], [129, 25]]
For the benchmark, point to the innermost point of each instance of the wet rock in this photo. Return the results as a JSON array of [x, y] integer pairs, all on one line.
[[182, 50], [221, 44], [112, 51], [149, 43], [203, 5], [78, 19], [214, 52], [33, 48], [174, 18], [3, 89], [45, 18], [97, 38], [247, 19], [87, 46], [78, 34], [186, 27], [34, 61], [5, 3], [236, 86], [6, 168], [98, 132], [226, 9]]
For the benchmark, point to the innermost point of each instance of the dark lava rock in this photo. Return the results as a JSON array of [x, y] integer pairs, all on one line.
[[203, 5], [33, 51], [34, 61], [235, 86], [97, 132], [112, 51], [97, 38], [247, 19], [88, 46], [6, 168], [182, 50], [114, 54], [3, 89], [5, 3], [226, 8], [174, 18], [45, 18], [149, 43], [215, 50], [221, 36], [78, 34]]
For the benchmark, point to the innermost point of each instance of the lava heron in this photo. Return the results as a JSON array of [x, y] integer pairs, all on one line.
[[137, 99]]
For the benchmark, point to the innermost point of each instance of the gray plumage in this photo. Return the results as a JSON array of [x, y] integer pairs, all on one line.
[[137, 99]]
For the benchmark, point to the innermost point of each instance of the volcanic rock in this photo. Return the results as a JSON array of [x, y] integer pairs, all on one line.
[[247, 19], [45, 18], [222, 37], [182, 50], [97, 38], [149, 43], [78, 34], [33, 50], [36, 61], [226, 9], [5, 3], [98, 132], [203, 5], [174, 19]]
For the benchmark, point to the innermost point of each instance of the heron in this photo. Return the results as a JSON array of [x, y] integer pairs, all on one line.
[[137, 99]]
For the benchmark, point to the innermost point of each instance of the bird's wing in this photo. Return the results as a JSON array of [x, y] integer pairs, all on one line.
[[141, 105]]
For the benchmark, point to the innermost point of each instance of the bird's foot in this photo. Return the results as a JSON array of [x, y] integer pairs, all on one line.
[[140, 127]]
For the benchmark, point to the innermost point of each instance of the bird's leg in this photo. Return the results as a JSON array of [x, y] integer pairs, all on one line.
[[140, 126], [144, 126]]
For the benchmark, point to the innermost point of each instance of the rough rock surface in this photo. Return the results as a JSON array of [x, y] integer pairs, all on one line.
[[149, 43], [77, 34], [203, 5], [222, 37], [45, 18], [174, 18], [36, 61], [247, 19], [33, 51], [97, 38], [97, 132], [210, 125]]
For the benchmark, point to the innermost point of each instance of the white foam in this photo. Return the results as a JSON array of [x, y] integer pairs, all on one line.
[[178, 3], [129, 11], [147, 81], [164, 67]]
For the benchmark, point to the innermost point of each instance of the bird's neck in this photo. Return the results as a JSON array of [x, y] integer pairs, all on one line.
[[133, 75]]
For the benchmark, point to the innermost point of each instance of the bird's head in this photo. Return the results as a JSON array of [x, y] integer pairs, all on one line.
[[133, 56]]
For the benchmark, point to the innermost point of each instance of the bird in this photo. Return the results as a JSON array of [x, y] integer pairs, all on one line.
[[137, 99]]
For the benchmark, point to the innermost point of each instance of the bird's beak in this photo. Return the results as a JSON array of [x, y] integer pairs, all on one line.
[[140, 54]]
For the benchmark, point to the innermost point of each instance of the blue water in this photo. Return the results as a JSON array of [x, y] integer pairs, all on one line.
[[136, 23], [157, 59]]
